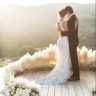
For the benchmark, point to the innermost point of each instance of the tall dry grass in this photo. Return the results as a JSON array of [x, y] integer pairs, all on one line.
[[47, 59]]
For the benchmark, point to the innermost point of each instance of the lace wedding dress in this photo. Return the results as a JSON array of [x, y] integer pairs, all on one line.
[[61, 71]]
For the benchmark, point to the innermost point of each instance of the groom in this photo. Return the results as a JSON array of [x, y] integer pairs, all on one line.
[[73, 41]]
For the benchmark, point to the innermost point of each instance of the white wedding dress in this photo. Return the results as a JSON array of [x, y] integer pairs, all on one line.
[[61, 72]]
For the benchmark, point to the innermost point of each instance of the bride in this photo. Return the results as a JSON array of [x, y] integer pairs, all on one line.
[[61, 72]]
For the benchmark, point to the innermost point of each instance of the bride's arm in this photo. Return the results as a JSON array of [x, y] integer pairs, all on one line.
[[58, 27], [64, 26]]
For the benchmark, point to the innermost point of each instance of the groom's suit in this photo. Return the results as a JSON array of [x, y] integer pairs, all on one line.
[[73, 43]]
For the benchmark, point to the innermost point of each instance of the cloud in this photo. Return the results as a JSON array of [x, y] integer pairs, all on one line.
[[40, 2]]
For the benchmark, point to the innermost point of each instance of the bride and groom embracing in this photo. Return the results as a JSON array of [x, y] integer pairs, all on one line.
[[67, 43]]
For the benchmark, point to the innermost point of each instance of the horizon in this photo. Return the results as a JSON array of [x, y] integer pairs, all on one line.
[[43, 2]]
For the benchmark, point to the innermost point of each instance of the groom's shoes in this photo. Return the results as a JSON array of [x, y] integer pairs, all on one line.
[[74, 78]]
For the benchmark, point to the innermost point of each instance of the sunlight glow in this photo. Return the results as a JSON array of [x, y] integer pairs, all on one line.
[[41, 2]]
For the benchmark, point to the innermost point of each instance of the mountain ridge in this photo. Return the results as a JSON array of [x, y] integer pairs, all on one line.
[[36, 25]]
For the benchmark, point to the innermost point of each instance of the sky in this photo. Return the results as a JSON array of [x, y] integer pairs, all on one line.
[[42, 2]]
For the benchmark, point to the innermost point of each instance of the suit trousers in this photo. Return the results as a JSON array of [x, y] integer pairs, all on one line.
[[74, 60]]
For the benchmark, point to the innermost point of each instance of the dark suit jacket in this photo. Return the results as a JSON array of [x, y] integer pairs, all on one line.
[[72, 33]]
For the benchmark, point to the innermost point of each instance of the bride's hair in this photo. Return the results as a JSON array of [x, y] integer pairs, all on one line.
[[62, 13]]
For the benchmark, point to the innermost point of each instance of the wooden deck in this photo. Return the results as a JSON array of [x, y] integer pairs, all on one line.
[[76, 88]]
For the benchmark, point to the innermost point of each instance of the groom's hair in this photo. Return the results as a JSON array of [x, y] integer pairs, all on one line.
[[69, 9]]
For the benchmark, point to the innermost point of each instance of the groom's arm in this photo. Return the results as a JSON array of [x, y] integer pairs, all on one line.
[[73, 24]]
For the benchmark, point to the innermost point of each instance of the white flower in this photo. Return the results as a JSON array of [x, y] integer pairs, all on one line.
[[20, 87]]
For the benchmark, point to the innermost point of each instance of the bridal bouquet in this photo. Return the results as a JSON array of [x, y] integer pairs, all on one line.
[[21, 87]]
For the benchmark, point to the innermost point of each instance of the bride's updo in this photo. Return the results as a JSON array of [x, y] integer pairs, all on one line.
[[62, 13]]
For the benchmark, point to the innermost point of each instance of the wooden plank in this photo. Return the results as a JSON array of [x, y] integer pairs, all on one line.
[[58, 90], [64, 90], [44, 91], [51, 90], [71, 89], [91, 75], [84, 88], [87, 81], [78, 89], [41, 89]]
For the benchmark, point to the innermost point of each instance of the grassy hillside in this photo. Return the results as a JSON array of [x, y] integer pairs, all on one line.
[[24, 28]]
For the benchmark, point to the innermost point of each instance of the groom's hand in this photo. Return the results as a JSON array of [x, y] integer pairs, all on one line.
[[65, 33]]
